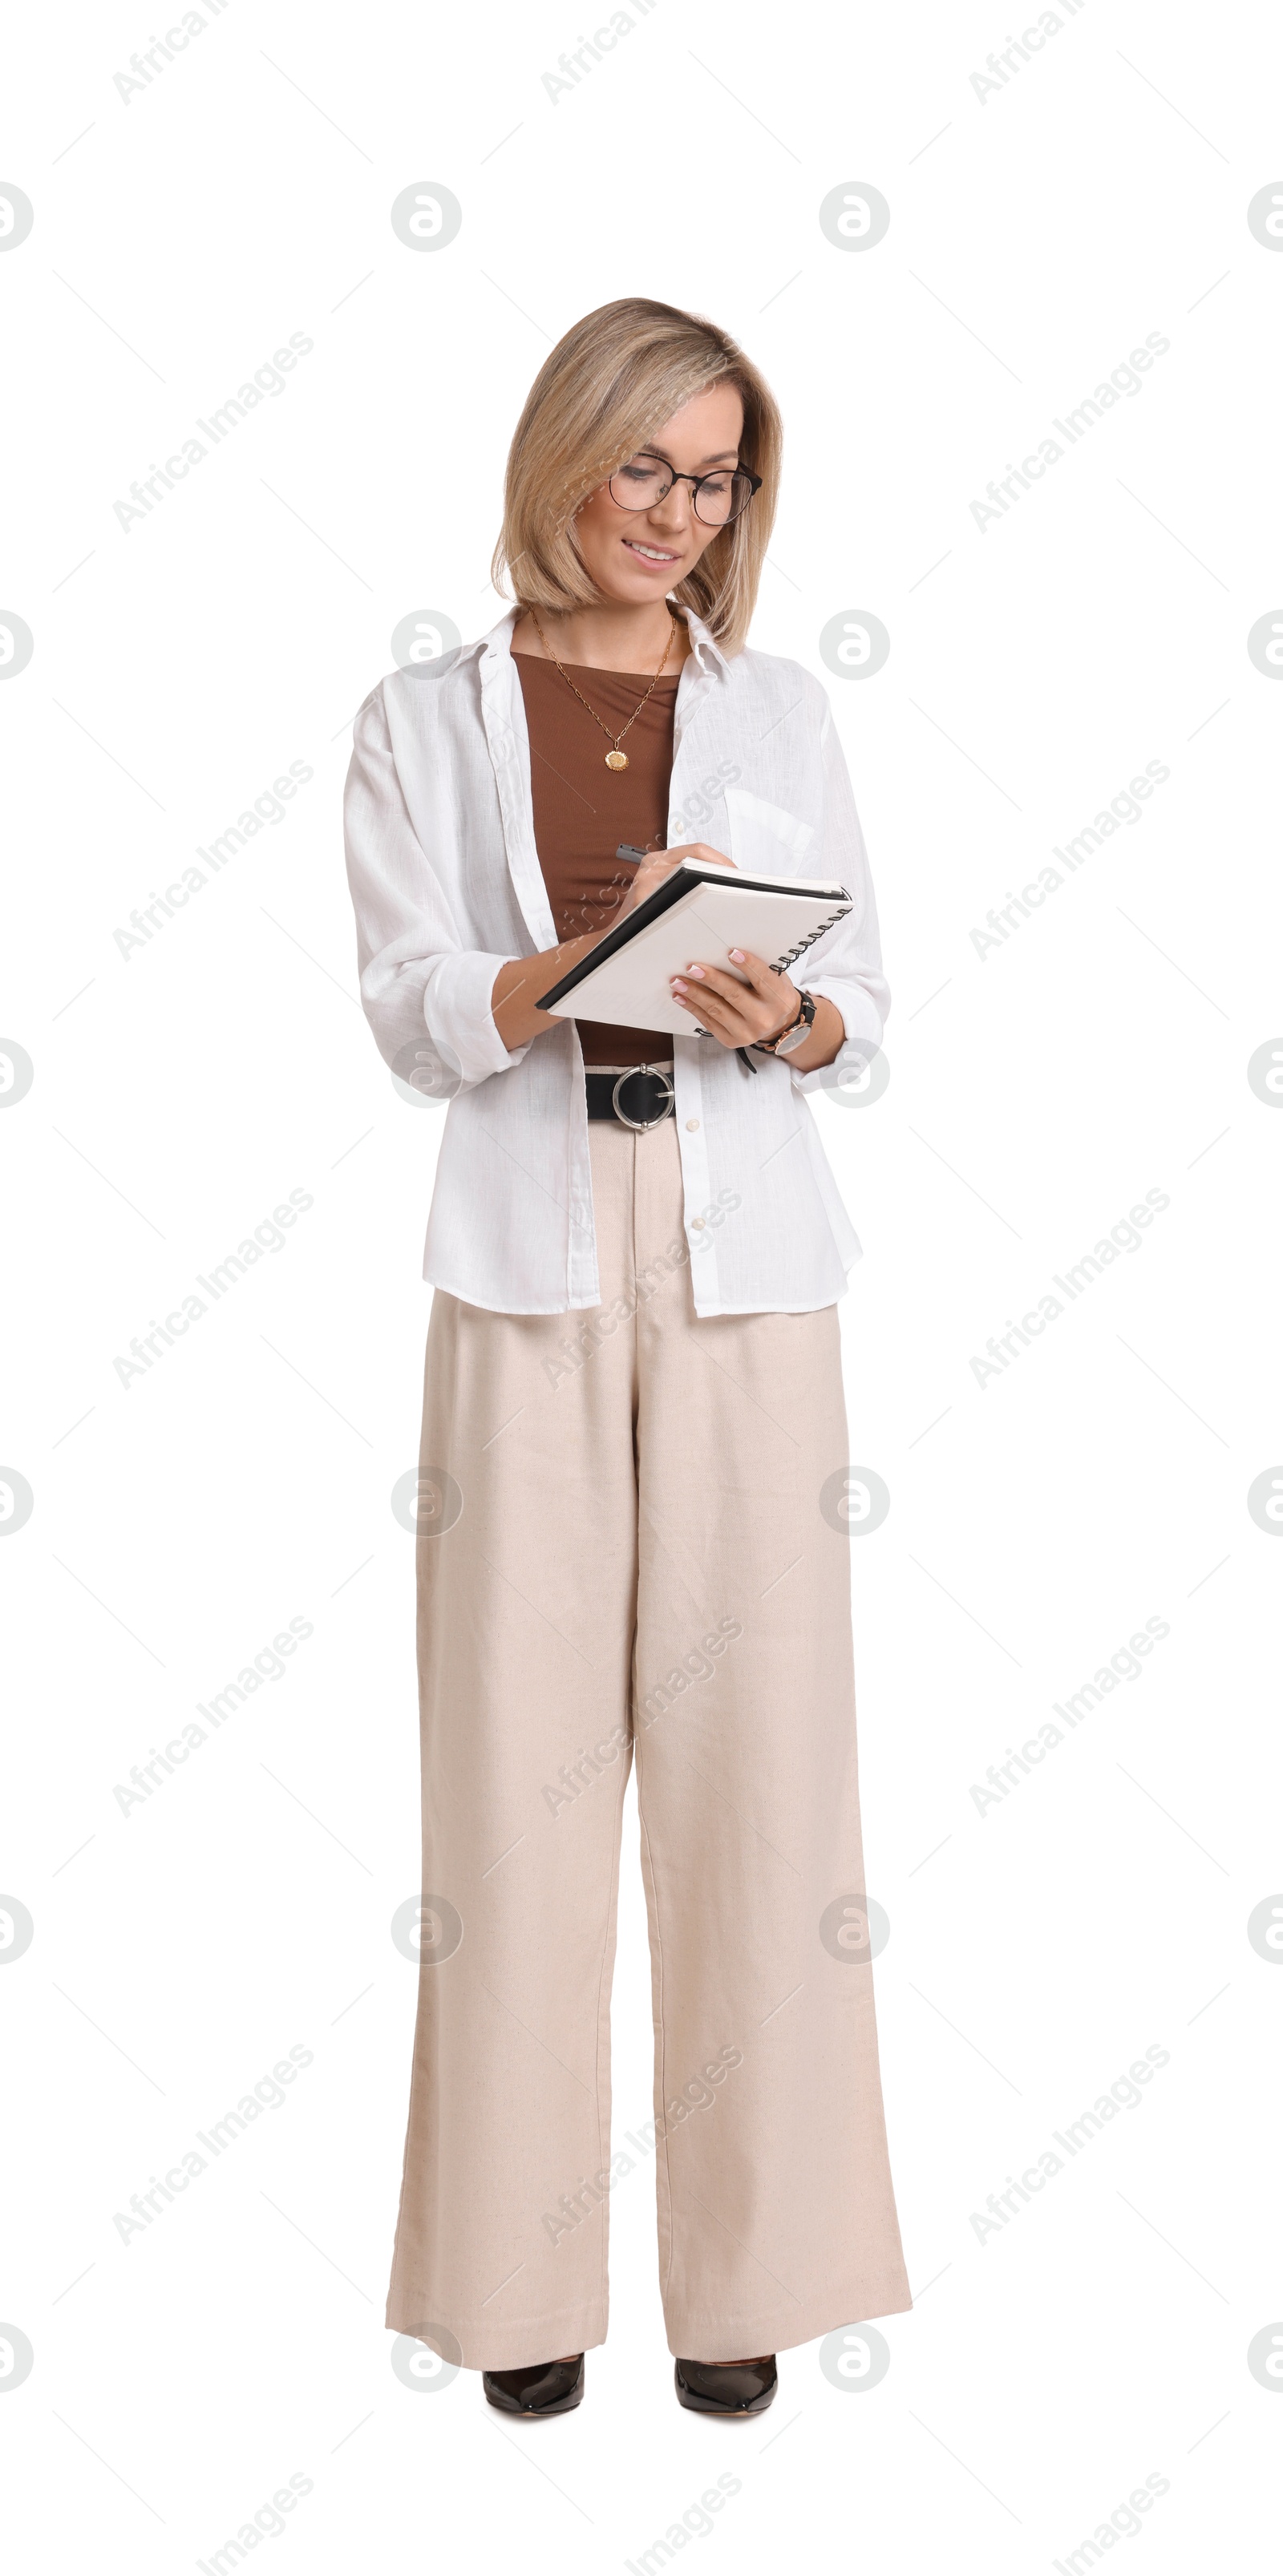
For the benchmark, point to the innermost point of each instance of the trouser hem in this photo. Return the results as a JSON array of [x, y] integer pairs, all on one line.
[[727, 2336], [487, 2346]]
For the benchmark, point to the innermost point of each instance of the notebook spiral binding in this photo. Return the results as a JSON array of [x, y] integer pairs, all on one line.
[[791, 955]]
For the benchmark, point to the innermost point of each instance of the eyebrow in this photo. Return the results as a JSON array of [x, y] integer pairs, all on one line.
[[721, 458]]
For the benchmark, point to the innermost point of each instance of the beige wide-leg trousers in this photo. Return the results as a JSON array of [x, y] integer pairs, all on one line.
[[623, 1555]]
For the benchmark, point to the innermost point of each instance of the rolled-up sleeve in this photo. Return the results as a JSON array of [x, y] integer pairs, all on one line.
[[425, 994], [846, 965]]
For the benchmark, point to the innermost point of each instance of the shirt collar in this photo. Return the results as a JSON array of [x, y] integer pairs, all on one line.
[[496, 645], [705, 651]]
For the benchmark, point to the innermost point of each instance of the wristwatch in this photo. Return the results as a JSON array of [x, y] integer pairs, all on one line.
[[797, 1032]]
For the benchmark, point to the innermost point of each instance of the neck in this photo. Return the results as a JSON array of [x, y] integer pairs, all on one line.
[[612, 636]]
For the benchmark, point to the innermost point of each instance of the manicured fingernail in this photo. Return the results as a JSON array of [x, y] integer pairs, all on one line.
[[697, 972], [737, 956], [678, 986]]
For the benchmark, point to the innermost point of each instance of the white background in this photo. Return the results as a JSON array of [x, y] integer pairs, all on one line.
[[1036, 1948]]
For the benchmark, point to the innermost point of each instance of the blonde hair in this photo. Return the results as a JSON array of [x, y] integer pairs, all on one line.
[[606, 389]]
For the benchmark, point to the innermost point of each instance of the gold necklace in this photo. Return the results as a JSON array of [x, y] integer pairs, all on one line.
[[615, 758]]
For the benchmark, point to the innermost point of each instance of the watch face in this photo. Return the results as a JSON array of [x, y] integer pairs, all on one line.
[[798, 1036]]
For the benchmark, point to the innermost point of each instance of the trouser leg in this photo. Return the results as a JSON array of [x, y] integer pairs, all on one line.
[[776, 2215], [525, 1632]]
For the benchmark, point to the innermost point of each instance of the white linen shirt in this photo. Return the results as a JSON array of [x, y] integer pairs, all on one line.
[[447, 888]]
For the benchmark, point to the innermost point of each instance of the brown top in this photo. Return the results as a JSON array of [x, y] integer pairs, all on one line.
[[584, 810]]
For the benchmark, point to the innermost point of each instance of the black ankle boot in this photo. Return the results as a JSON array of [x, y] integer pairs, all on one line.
[[540, 2388], [727, 2387]]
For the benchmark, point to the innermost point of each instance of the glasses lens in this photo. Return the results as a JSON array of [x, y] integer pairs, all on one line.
[[721, 497], [639, 484]]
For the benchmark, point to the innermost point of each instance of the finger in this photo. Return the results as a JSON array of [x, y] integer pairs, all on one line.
[[764, 1010], [728, 1032], [772, 996], [717, 1015], [703, 997], [716, 979], [702, 850], [647, 882], [736, 1002], [763, 978], [652, 872]]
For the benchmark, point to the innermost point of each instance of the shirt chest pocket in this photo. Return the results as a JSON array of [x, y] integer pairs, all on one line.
[[766, 839]]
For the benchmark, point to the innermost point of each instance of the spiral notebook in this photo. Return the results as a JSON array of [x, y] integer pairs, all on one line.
[[696, 916]]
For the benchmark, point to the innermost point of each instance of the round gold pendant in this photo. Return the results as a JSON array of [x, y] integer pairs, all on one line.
[[616, 760]]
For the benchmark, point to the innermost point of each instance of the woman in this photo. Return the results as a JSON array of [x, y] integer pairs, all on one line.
[[633, 1399]]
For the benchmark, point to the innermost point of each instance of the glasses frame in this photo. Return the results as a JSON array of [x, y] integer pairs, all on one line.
[[695, 480]]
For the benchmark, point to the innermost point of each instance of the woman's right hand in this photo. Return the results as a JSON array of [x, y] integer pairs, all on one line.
[[512, 999], [660, 864]]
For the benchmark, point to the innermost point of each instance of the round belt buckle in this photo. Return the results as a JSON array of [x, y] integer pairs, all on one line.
[[641, 1126]]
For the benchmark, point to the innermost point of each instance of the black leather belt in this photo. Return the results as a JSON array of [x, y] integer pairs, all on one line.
[[640, 1098]]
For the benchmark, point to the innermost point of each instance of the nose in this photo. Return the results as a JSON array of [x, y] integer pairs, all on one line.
[[671, 517]]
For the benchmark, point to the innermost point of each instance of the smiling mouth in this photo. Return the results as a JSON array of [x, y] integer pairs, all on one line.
[[649, 554]]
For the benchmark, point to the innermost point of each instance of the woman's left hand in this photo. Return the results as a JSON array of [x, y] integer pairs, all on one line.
[[741, 1015], [738, 1014]]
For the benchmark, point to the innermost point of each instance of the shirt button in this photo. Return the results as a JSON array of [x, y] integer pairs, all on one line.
[[691, 1125], [697, 1225]]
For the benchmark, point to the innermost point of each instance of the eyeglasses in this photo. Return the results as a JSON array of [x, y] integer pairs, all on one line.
[[717, 498]]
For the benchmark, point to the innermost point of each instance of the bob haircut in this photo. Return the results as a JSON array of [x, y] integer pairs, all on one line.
[[607, 388]]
